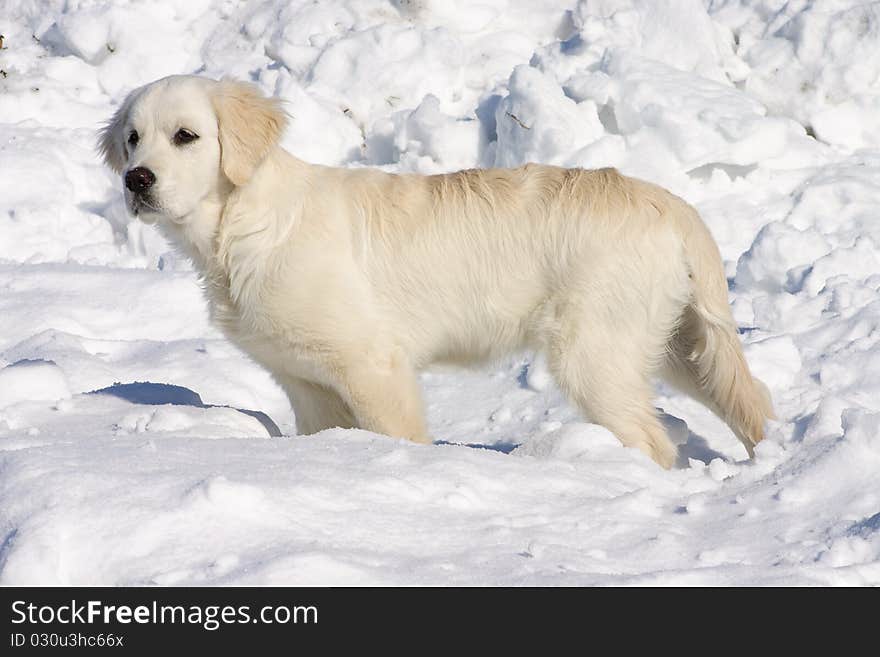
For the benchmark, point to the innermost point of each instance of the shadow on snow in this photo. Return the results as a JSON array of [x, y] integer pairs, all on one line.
[[159, 394]]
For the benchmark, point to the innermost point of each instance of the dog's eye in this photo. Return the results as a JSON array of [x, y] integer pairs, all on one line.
[[133, 138], [184, 136]]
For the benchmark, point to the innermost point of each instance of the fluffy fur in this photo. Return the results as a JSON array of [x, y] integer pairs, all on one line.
[[344, 282]]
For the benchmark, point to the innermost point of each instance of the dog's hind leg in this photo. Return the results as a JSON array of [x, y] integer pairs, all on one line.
[[610, 382], [606, 340]]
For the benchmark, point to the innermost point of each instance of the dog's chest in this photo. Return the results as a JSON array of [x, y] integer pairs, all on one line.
[[277, 351], [243, 328]]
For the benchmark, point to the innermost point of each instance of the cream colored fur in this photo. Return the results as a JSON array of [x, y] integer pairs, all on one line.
[[343, 283]]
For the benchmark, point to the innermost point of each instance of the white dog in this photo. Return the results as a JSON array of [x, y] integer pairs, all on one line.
[[344, 282]]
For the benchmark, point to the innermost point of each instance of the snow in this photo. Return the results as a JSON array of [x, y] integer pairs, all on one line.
[[764, 114], [28, 380]]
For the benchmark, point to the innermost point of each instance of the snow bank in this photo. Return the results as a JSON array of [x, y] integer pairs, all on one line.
[[30, 380], [817, 62]]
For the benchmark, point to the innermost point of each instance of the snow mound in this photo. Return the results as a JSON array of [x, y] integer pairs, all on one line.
[[32, 380]]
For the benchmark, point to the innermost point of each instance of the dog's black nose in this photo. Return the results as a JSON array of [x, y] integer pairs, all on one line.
[[139, 179]]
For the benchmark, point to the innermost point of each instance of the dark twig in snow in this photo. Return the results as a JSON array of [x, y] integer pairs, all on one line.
[[515, 118]]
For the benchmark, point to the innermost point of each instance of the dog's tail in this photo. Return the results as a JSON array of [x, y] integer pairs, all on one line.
[[705, 357]]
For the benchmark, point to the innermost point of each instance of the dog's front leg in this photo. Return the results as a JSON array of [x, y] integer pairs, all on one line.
[[383, 393], [316, 406]]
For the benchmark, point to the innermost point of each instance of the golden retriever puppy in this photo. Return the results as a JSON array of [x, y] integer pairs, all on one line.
[[345, 282]]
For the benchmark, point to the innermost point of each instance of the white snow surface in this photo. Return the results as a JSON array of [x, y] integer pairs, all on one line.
[[765, 114]]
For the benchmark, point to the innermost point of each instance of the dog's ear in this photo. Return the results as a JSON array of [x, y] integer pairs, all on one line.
[[250, 125], [111, 141]]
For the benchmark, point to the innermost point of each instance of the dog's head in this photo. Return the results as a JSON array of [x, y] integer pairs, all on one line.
[[182, 140]]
